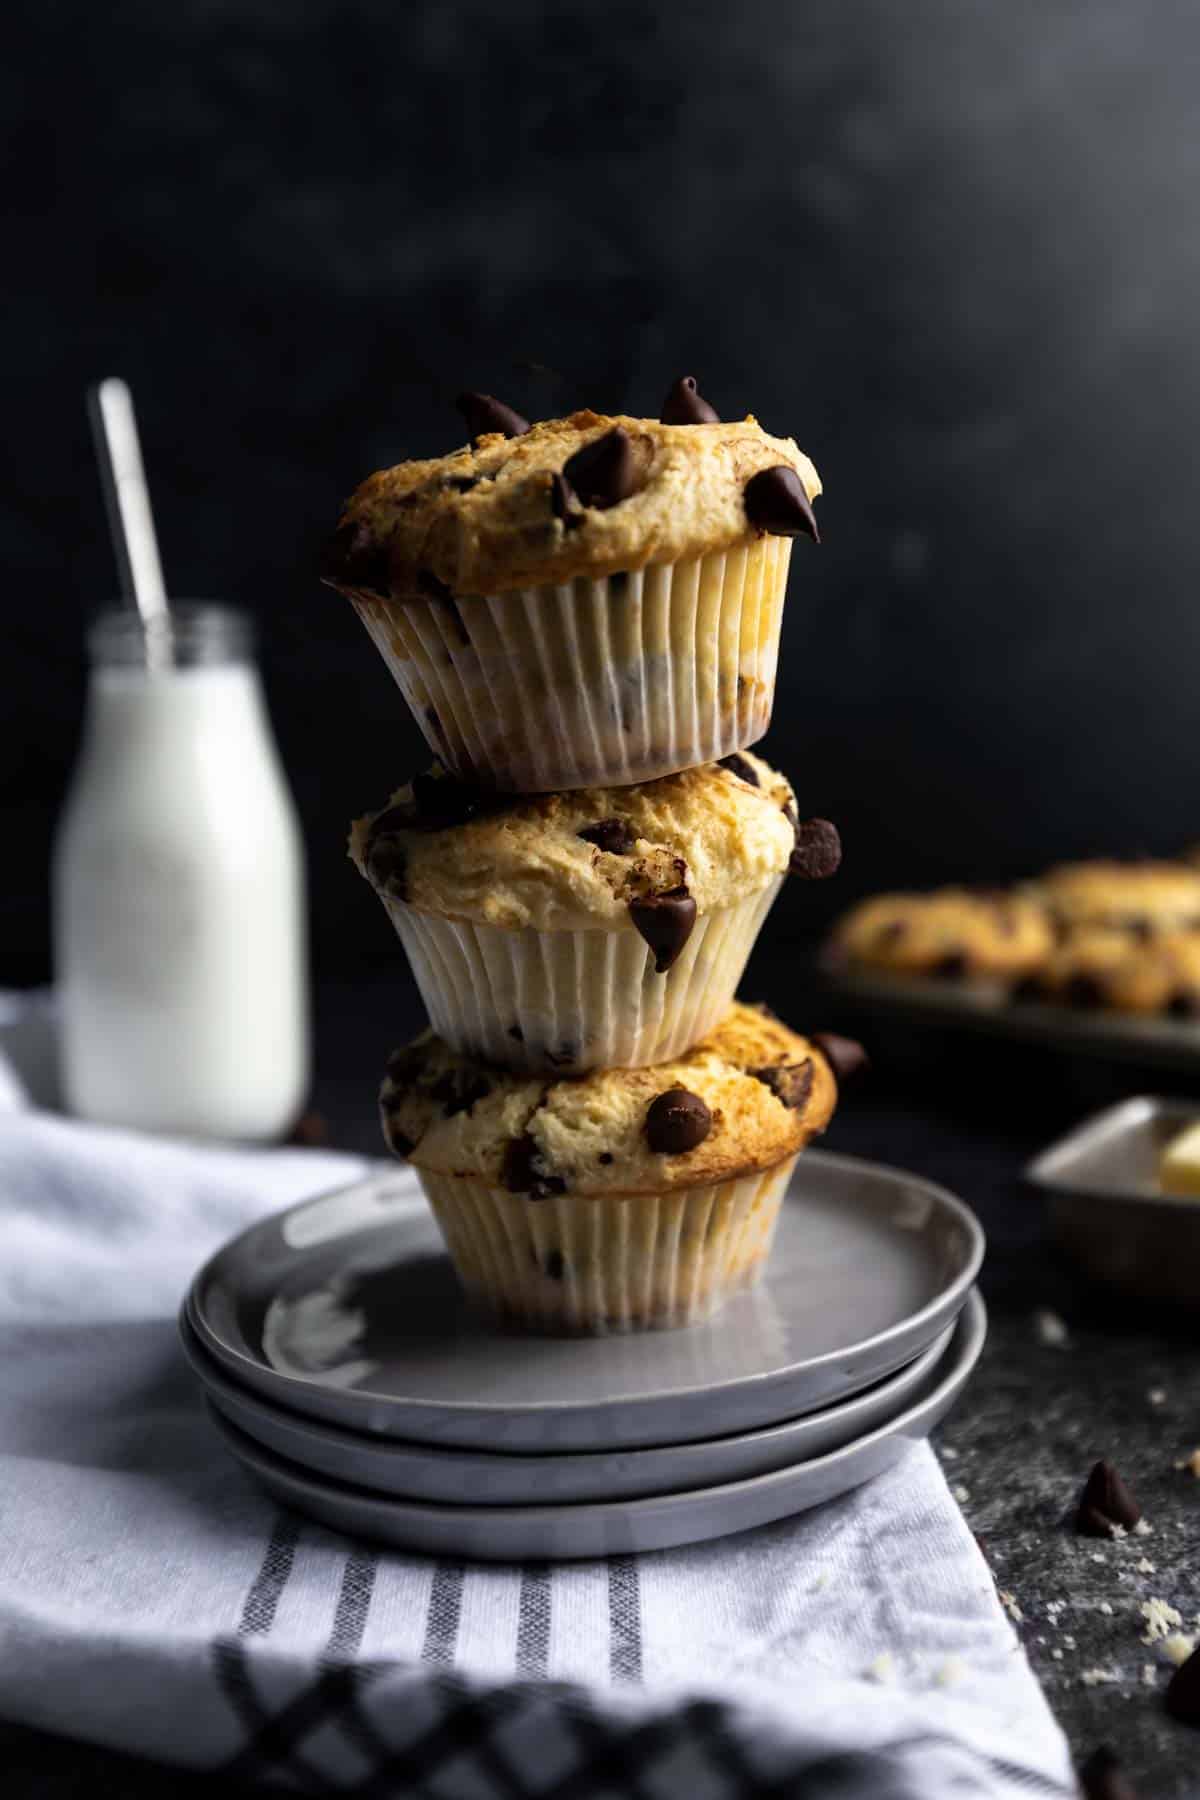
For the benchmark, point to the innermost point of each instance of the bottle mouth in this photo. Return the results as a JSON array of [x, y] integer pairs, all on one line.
[[193, 634]]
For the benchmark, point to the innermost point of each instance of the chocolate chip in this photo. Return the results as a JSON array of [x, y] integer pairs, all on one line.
[[665, 921], [1101, 1777], [1139, 927], [613, 836], [387, 865], [355, 558], [462, 484], [406, 1066], [517, 1035], [603, 473], [605, 1157], [891, 933], [442, 800], [951, 967], [1105, 1502], [775, 501], [398, 1144], [458, 1089], [523, 1170], [564, 502], [845, 1056], [1083, 990], [791, 1083], [485, 415], [1184, 1004], [1183, 1691], [818, 851], [556, 1265], [676, 1122], [738, 765], [684, 405]]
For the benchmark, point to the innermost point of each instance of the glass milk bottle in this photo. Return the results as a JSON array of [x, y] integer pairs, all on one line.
[[179, 890]]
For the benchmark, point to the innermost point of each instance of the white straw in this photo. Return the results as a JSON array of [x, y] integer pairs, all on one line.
[[124, 479]]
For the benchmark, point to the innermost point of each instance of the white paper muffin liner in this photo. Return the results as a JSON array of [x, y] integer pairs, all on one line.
[[588, 1265], [594, 683], [567, 1001]]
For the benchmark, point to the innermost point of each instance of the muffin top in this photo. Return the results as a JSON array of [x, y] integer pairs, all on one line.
[[1104, 966], [950, 932], [583, 858], [1136, 896], [747, 1096], [556, 502]]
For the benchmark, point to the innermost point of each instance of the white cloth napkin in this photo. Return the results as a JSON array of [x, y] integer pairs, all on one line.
[[151, 1598]]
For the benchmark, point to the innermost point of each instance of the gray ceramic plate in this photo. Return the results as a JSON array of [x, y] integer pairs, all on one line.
[[490, 1478], [346, 1309], [1108, 1209], [519, 1533]]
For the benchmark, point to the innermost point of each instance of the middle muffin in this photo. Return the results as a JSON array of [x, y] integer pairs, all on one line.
[[598, 928]]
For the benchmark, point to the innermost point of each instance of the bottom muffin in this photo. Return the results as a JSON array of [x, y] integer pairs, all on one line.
[[626, 1200]]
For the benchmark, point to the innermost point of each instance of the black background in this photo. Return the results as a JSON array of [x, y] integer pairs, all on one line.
[[951, 246]]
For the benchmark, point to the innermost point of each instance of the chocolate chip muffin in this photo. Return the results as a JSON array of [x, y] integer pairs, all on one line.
[[629, 1199], [598, 927], [953, 934], [1108, 967], [589, 601], [1137, 897]]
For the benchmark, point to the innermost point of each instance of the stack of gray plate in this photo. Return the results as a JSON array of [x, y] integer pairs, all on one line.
[[347, 1374]]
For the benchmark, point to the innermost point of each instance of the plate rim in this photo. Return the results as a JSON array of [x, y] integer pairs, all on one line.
[[942, 1303]]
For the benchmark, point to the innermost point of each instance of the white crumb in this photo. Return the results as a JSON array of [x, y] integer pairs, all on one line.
[[949, 1453], [1099, 1556], [1094, 1677], [1145, 1567], [1143, 1528], [1116, 1531], [961, 1494], [1105, 1607], [1050, 1329], [952, 1670], [1009, 1603], [1157, 1396], [1149, 1675], [1068, 1641], [1057, 1655], [1160, 1619], [883, 1669], [1177, 1646]]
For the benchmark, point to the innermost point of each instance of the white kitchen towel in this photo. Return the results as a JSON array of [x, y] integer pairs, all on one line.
[[151, 1598]]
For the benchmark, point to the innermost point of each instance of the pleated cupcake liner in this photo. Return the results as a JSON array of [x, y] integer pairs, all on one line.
[[563, 1002], [593, 682], [589, 1265]]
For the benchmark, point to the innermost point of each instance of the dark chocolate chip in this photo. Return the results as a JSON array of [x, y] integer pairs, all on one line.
[[564, 502], [845, 1056], [523, 1170], [398, 1144], [1183, 1691], [791, 1083], [484, 415], [442, 800], [355, 558], [1139, 927], [556, 1265], [603, 473], [517, 1035], [1101, 1777], [665, 921], [818, 851], [387, 865], [685, 405], [738, 765], [775, 501], [951, 967], [1184, 1004], [458, 1089], [613, 836], [1083, 990], [406, 1066], [462, 484], [676, 1122], [605, 1157], [1105, 1502]]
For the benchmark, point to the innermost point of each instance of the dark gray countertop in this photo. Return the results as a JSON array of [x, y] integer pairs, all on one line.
[[1126, 1385]]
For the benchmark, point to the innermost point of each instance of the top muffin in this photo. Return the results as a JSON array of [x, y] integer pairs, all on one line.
[[1142, 897], [555, 503]]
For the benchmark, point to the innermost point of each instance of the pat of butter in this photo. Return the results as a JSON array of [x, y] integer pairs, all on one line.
[[1179, 1164]]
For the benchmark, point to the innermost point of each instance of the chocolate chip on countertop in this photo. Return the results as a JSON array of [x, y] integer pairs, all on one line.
[[1101, 1777], [355, 558], [665, 921], [818, 850], [603, 473], [613, 836], [676, 1122], [791, 1083], [738, 765], [776, 501], [485, 414], [1105, 1502], [1183, 1691], [685, 405], [845, 1056], [523, 1170]]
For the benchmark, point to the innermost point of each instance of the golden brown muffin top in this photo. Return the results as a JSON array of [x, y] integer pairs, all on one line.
[[750, 1094], [556, 503], [1139, 896], [950, 932]]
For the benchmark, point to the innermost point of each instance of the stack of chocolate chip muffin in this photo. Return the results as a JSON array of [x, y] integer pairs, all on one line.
[[584, 617]]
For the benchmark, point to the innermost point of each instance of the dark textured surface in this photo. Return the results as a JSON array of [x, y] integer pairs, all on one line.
[[952, 247]]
